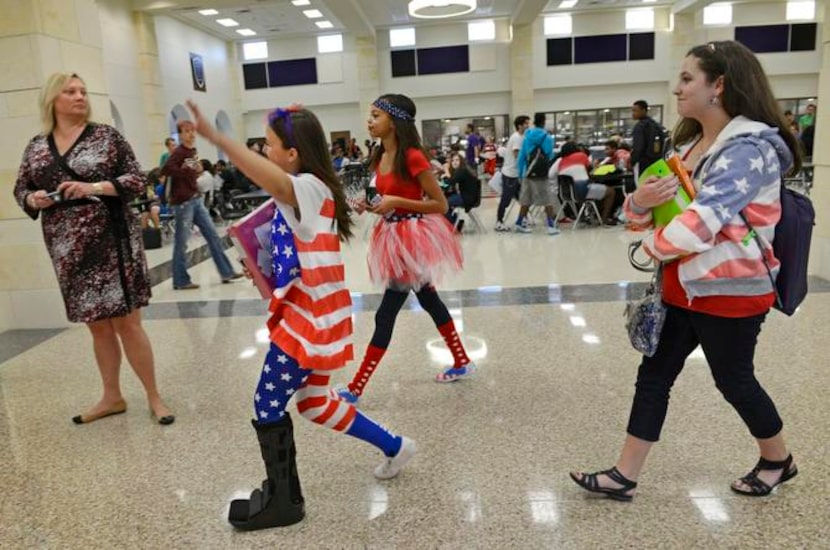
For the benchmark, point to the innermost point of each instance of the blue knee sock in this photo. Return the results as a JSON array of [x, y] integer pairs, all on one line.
[[370, 431]]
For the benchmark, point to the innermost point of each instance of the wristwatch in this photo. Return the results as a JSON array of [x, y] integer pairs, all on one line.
[[97, 188]]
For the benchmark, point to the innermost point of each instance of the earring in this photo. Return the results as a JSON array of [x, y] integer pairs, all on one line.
[[714, 101]]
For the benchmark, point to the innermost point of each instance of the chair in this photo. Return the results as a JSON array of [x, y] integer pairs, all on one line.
[[582, 207], [469, 210]]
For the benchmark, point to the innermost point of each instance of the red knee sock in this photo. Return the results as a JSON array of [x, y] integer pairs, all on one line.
[[367, 367], [453, 342]]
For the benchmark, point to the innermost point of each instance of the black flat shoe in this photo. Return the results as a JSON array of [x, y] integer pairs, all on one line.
[[757, 487], [590, 483], [119, 408], [163, 420]]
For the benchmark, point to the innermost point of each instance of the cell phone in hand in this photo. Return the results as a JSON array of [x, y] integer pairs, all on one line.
[[371, 193], [56, 196]]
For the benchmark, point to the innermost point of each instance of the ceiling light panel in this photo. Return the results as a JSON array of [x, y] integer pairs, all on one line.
[[439, 9], [227, 22], [313, 14], [300, 2], [324, 24], [246, 32], [567, 4], [208, 12]]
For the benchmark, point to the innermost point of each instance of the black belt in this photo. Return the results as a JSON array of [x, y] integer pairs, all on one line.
[[394, 218]]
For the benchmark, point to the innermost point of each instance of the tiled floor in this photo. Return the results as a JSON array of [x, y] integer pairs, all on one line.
[[542, 317]]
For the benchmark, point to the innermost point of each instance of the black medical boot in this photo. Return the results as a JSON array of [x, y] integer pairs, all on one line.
[[280, 501]]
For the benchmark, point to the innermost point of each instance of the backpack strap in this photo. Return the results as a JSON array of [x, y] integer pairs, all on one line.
[[754, 235]]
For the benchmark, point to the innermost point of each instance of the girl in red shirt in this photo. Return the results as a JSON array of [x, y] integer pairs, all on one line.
[[413, 245]]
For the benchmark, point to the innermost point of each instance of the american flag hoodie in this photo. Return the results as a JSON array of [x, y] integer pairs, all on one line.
[[741, 171]]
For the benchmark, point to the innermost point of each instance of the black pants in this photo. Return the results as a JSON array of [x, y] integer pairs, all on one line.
[[729, 347]]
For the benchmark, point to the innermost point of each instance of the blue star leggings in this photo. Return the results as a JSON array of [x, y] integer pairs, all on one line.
[[282, 378]]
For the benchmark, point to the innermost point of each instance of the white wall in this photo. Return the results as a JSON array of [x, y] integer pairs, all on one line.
[[175, 43], [334, 118], [122, 75]]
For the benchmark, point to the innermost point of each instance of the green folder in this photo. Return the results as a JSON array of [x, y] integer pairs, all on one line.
[[664, 213]]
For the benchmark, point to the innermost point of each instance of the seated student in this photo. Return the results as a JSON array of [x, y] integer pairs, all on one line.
[[575, 163], [150, 210], [616, 156], [465, 187]]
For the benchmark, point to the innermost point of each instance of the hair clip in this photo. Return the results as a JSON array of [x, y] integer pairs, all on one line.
[[285, 115]]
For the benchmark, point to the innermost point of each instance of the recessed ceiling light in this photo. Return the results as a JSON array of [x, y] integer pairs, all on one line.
[[300, 2], [312, 14], [246, 32], [567, 4], [438, 9], [208, 12], [227, 22], [324, 24]]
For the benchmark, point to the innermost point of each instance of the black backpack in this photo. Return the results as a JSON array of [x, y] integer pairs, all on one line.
[[538, 164], [656, 138], [791, 246]]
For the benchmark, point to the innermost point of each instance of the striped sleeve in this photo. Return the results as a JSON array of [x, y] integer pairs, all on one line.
[[746, 171]]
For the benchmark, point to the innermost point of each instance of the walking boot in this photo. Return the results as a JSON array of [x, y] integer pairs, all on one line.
[[280, 500]]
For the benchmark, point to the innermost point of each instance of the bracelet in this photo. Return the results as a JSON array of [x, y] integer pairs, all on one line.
[[97, 188]]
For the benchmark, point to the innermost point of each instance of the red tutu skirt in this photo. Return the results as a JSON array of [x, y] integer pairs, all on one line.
[[408, 251]]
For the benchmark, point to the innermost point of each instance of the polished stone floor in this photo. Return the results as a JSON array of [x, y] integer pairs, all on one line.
[[541, 316]]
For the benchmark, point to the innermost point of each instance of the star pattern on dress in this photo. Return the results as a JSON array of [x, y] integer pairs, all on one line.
[[772, 154], [709, 190], [257, 397], [757, 164], [282, 229], [282, 359], [723, 212], [294, 271], [722, 163], [288, 251], [285, 376], [742, 185], [274, 403], [269, 386], [289, 391], [263, 414], [266, 368]]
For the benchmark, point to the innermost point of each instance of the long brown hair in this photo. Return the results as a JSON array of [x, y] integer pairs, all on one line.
[[746, 91], [405, 133], [305, 133]]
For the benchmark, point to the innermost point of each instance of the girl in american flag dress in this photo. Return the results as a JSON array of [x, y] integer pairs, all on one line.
[[310, 311]]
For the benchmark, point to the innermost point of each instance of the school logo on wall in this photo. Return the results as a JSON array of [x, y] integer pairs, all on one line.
[[197, 71]]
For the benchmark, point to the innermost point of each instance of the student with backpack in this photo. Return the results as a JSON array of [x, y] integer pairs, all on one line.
[[310, 325], [533, 164], [648, 138], [715, 284]]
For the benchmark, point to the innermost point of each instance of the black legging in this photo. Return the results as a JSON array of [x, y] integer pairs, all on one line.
[[729, 347], [392, 303]]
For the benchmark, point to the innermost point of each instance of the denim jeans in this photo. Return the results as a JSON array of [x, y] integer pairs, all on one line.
[[189, 213], [509, 191]]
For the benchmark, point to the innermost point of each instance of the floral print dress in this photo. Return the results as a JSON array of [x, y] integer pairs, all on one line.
[[95, 244]]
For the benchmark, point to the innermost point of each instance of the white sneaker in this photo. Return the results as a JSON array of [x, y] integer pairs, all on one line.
[[501, 227], [392, 466], [553, 230], [523, 228]]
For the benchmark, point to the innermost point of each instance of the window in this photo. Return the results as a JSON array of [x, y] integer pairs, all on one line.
[[717, 14], [255, 50], [558, 24], [801, 10], [639, 19], [481, 30], [330, 43], [402, 37]]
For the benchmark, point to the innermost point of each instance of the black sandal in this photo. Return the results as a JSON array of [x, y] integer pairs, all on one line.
[[758, 488], [590, 483]]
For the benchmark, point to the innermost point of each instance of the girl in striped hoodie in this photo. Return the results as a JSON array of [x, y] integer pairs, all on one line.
[[735, 142], [310, 324]]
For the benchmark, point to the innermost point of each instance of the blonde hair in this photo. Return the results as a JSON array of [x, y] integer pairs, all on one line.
[[50, 91]]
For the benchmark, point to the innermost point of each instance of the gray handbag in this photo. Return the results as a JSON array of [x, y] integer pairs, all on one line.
[[645, 316]]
